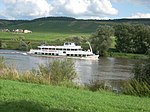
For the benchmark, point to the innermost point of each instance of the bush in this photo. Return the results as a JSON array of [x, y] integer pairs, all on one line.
[[134, 87], [59, 71], [142, 71], [140, 84], [99, 85]]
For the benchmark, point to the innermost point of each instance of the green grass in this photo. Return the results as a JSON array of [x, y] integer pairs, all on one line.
[[26, 97], [39, 35], [9, 38]]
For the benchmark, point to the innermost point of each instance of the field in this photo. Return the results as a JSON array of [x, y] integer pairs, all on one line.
[[26, 97], [11, 40], [40, 35]]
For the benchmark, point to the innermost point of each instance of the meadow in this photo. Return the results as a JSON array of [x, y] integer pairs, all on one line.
[[38, 36], [26, 97]]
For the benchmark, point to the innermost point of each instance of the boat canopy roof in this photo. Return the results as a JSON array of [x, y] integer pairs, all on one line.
[[67, 45]]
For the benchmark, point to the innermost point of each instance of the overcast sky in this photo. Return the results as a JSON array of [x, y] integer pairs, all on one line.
[[85, 9]]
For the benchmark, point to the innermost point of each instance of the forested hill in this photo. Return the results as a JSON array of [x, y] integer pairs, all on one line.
[[65, 24]]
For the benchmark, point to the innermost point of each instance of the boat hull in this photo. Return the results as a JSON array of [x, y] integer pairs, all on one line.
[[94, 57]]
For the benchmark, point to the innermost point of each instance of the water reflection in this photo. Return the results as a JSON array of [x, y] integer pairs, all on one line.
[[103, 69]]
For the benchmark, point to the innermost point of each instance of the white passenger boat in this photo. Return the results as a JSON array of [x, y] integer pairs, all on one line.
[[69, 50]]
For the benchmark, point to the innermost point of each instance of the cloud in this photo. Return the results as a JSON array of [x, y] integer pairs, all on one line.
[[26, 8], [140, 15], [97, 8], [29, 9]]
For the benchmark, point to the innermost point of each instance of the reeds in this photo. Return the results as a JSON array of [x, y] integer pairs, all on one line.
[[58, 72], [134, 87]]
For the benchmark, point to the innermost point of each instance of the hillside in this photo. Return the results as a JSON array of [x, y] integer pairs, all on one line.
[[64, 24], [26, 97]]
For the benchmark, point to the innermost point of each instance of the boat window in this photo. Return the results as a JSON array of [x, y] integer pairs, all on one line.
[[75, 49], [67, 54], [72, 49], [64, 51], [42, 53], [35, 53], [66, 43], [52, 53], [71, 54], [49, 53], [68, 49]]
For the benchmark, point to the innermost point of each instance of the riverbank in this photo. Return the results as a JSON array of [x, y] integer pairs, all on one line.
[[19, 96], [127, 55]]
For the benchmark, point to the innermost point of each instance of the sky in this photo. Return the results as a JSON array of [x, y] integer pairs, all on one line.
[[80, 9]]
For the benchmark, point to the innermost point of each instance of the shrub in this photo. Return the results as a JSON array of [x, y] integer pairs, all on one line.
[[140, 84], [59, 71], [142, 71], [134, 87], [2, 64], [99, 85]]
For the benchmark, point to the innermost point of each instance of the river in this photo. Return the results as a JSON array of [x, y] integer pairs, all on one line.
[[108, 69]]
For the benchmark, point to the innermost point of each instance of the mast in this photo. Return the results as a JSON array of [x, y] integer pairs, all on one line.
[[90, 46]]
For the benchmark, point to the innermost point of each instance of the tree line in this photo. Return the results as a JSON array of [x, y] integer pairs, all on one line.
[[129, 38]]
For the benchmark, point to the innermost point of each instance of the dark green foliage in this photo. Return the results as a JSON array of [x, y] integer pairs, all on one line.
[[64, 24], [59, 71], [98, 85], [101, 39], [132, 38], [140, 84], [142, 71], [134, 87]]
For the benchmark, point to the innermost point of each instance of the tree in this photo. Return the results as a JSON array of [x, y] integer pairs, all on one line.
[[141, 39], [132, 38], [124, 38], [22, 44], [101, 40]]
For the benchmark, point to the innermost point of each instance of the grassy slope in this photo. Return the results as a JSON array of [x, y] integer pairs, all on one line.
[[25, 97], [45, 29], [39, 35]]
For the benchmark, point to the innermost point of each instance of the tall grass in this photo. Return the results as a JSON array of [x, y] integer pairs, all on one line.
[[134, 87], [2, 64], [140, 84], [58, 72]]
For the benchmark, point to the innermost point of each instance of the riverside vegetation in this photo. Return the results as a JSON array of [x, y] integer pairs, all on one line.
[[62, 73], [56, 75], [112, 37], [52, 89]]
